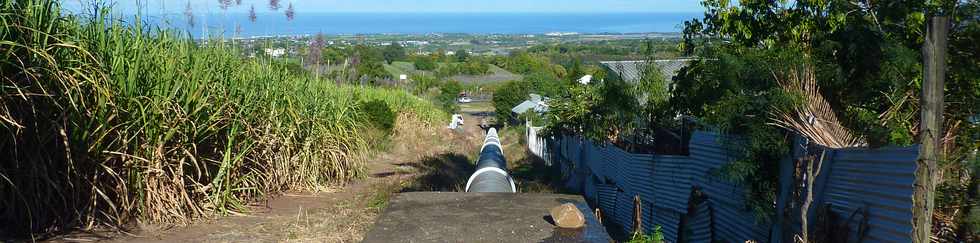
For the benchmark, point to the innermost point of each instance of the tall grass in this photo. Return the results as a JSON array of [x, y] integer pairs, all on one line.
[[106, 122]]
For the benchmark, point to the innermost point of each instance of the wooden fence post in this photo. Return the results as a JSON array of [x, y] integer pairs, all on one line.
[[930, 130]]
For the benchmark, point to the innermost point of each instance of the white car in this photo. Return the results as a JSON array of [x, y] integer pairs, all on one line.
[[465, 100]]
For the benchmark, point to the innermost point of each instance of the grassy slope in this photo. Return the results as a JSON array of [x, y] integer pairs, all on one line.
[[497, 74]]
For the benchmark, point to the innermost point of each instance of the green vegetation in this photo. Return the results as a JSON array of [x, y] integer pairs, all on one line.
[[381, 194], [607, 50], [865, 59], [105, 123], [471, 67], [448, 92], [425, 63], [657, 236], [867, 64], [394, 52], [507, 96]]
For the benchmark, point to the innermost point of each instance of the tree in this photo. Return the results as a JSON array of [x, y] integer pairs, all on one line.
[[867, 65], [462, 55], [448, 92], [367, 62], [425, 63], [394, 52], [474, 67], [508, 95]]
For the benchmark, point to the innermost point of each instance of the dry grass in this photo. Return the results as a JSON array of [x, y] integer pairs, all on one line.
[[812, 117], [348, 221]]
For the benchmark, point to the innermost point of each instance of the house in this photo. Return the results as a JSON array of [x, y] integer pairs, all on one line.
[[536, 103], [275, 52], [632, 71]]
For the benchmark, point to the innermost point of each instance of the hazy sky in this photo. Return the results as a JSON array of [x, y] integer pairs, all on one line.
[[315, 6]]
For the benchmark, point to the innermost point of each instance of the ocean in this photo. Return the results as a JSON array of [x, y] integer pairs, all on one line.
[[424, 23]]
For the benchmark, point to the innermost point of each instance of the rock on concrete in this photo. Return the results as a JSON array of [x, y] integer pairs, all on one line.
[[567, 216], [480, 217]]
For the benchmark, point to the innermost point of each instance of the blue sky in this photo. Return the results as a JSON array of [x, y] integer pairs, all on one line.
[[321, 6]]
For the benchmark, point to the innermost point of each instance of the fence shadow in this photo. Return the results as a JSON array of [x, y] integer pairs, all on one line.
[[444, 172], [532, 174]]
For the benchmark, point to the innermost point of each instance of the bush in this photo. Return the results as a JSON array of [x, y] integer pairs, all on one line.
[[425, 63], [379, 114], [656, 237], [508, 95], [448, 92], [473, 67]]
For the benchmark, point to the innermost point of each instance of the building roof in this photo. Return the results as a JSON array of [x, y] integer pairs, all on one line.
[[536, 102], [632, 71]]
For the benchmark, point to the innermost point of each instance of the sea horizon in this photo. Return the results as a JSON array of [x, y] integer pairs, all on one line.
[[348, 23]]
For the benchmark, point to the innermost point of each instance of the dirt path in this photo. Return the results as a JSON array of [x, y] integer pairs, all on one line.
[[417, 160]]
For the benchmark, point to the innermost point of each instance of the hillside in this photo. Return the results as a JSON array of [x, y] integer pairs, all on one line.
[[497, 74]]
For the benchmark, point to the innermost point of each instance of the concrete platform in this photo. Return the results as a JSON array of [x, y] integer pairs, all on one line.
[[480, 217]]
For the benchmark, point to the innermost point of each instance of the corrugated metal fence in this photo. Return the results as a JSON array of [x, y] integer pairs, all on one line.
[[682, 196]]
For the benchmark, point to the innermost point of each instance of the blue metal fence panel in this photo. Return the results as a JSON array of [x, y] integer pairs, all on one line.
[[880, 181], [648, 224], [611, 161], [699, 224], [671, 182], [668, 220], [589, 190], [593, 156], [607, 199], [732, 222], [877, 180], [624, 213], [640, 177]]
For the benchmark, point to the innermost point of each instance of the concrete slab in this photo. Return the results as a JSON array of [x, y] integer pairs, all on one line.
[[480, 217]]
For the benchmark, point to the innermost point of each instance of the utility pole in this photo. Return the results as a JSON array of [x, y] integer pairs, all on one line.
[[930, 128]]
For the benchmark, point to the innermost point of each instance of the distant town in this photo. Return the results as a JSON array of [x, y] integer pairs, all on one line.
[[427, 44]]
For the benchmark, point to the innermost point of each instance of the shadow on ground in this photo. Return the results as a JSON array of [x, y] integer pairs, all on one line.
[[532, 175], [443, 172]]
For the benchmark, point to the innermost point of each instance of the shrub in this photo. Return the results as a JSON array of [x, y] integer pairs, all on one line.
[[379, 114], [657, 236], [448, 92], [425, 63], [508, 95]]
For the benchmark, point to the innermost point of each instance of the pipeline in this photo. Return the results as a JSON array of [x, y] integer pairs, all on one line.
[[491, 168]]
